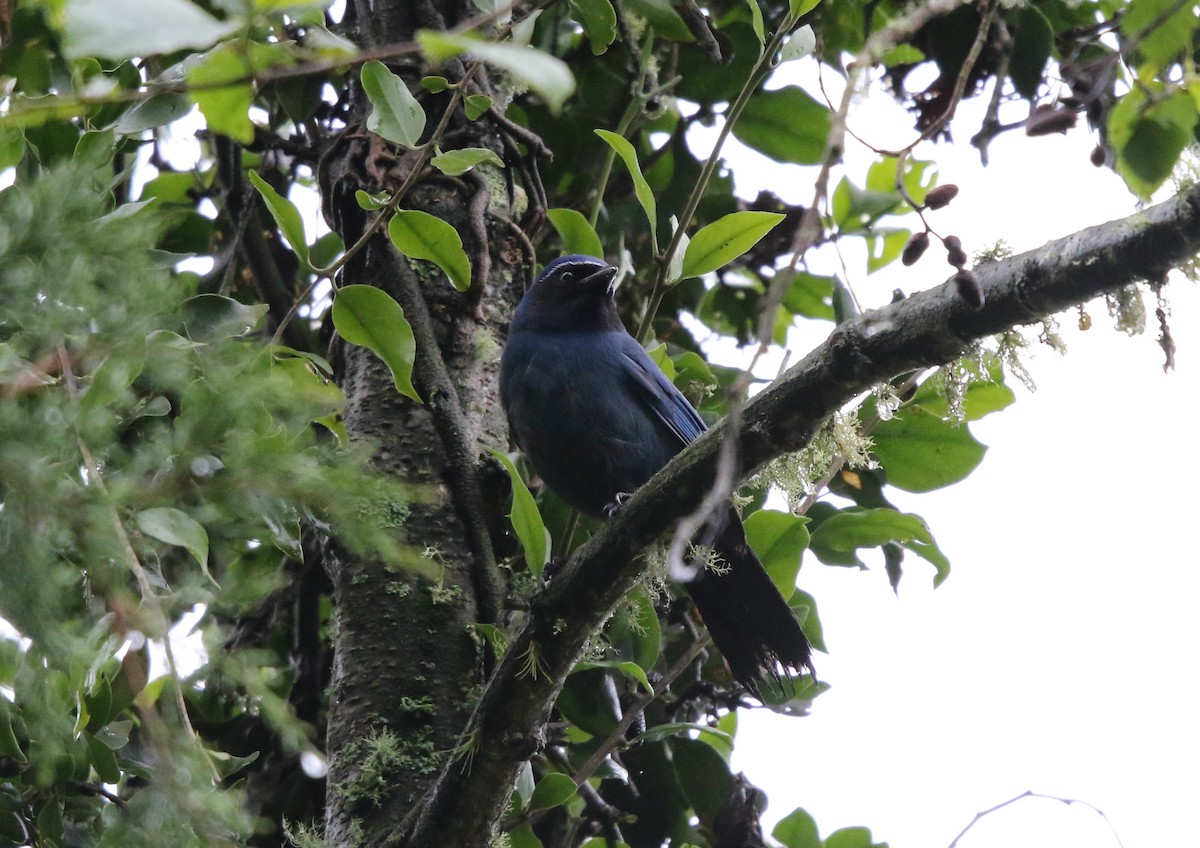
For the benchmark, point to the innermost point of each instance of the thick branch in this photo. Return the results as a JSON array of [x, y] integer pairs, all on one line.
[[927, 329]]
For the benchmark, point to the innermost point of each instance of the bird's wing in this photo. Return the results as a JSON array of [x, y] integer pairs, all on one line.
[[659, 394]]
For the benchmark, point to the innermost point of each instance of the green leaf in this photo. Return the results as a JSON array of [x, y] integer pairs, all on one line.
[[123, 29], [635, 631], [578, 236], [802, 7], [395, 113], [9, 746], [526, 519], [599, 22], [103, 760], [212, 316], [982, 397], [853, 528], [420, 235], [809, 295], [452, 163], [547, 76], [176, 527], [641, 188], [679, 728], [932, 554], [804, 607], [1163, 30], [1149, 137], [852, 837], [662, 16], [286, 215], [630, 669], [779, 539], [1033, 41], [785, 124], [552, 790], [920, 452], [368, 316], [756, 21], [703, 775], [797, 830], [220, 85], [524, 837], [884, 246], [475, 105], [725, 239]]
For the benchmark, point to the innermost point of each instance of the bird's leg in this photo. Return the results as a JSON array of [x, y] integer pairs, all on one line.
[[618, 501]]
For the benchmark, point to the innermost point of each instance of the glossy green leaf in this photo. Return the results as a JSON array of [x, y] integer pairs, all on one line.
[[981, 398], [526, 519], [856, 528], [797, 830], [176, 527], [286, 215], [219, 83], [547, 76], [578, 236], [786, 124], [779, 539], [524, 837], [552, 790], [884, 246], [635, 631], [802, 7], [725, 239], [475, 105], [103, 760], [630, 669], [395, 113], [799, 45], [704, 776], [1149, 137], [420, 235], [756, 21], [599, 22], [9, 746], [852, 837], [920, 452], [453, 163], [121, 29], [368, 316], [1033, 41], [641, 188], [804, 607], [932, 554], [680, 728], [662, 16], [213, 316]]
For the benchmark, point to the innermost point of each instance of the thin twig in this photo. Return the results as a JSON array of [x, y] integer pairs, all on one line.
[[1028, 793]]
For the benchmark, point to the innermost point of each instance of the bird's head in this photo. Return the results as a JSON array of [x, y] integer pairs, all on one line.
[[572, 293]]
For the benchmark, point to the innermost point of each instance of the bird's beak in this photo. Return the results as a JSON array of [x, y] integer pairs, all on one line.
[[606, 279]]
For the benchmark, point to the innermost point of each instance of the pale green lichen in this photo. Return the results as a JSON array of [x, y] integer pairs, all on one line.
[[1001, 249], [303, 835], [1010, 347], [1127, 307], [708, 559], [796, 475]]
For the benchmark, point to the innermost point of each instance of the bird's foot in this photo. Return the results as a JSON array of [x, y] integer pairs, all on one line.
[[617, 502]]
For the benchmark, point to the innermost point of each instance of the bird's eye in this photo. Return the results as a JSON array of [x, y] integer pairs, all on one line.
[[568, 276]]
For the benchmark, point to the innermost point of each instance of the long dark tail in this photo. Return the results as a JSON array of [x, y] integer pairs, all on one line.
[[750, 623]]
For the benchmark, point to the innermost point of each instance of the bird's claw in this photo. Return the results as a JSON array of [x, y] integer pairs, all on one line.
[[617, 502]]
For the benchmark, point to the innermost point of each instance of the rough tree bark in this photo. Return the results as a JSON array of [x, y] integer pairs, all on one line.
[[407, 665]]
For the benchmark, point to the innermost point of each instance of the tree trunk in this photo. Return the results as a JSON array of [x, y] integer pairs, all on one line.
[[407, 662]]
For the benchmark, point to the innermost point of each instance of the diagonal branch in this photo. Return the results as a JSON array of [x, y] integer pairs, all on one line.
[[930, 328]]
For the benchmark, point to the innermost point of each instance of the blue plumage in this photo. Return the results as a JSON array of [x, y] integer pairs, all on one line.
[[597, 418]]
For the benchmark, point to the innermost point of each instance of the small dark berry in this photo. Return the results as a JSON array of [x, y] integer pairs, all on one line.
[[941, 195], [916, 246], [955, 255], [1047, 119], [969, 289], [1099, 157]]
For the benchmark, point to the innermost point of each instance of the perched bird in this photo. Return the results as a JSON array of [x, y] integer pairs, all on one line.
[[597, 418]]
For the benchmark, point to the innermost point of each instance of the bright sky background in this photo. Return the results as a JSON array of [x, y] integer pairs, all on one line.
[[1058, 656]]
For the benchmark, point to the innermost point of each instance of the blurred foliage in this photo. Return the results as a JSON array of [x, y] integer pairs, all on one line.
[[169, 439]]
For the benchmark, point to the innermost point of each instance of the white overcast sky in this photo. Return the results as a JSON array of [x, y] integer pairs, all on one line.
[[1058, 656]]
